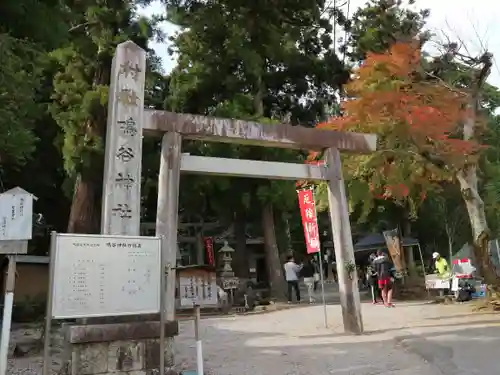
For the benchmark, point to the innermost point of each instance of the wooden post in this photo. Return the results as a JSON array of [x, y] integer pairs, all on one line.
[[200, 247], [7, 314], [121, 199], [167, 218], [199, 350], [344, 250]]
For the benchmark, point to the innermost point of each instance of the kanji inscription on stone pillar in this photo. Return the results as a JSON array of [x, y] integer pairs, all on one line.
[[122, 168]]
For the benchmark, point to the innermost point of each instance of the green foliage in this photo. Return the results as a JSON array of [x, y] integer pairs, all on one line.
[[379, 24], [232, 47], [443, 219], [40, 22], [81, 85], [24, 39], [20, 77]]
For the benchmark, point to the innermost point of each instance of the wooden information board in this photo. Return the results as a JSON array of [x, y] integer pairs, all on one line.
[[98, 275], [197, 285]]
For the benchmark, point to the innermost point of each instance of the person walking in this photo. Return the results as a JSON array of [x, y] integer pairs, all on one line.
[[372, 279], [307, 272], [326, 257], [383, 267], [292, 272], [317, 275]]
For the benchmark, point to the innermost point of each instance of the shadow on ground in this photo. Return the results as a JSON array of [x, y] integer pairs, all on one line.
[[470, 350], [235, 348]]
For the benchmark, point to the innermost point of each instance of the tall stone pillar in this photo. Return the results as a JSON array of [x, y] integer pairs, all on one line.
[[344, 249], [167, 219]]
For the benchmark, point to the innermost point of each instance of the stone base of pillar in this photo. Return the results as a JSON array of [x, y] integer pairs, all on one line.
[[111, 349]]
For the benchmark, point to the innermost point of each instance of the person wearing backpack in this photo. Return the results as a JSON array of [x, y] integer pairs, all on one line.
[[385, 274]]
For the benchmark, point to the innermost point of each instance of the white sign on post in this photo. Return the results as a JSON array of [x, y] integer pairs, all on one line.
[[16, 214], [96, 275]]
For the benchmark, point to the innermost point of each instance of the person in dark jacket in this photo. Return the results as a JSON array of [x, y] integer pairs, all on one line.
[[383, 268], [372, 279]]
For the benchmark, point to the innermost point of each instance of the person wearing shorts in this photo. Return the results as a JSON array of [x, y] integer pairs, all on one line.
[[383, 267]]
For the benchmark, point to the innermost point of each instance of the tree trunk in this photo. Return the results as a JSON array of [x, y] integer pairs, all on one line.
[[240, 260], [274, 264], [467, 177], [259, 97], [449, 234], [408, 255], [85, 214], [200, 247]]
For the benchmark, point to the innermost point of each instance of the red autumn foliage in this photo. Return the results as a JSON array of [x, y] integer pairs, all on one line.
[[412, 115]]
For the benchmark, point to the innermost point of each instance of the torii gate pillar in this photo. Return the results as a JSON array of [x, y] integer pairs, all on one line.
[[344, 250]]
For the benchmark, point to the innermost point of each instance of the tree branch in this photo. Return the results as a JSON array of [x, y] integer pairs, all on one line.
[[80, 26], [444, 84]]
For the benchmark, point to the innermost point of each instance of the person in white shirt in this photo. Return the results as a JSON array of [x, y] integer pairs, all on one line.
[[292, 271]]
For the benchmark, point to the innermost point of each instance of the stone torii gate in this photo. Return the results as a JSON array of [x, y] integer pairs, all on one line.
[[128, 120]]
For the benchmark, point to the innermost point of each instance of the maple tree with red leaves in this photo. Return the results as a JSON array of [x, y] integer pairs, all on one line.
[[417, 120]]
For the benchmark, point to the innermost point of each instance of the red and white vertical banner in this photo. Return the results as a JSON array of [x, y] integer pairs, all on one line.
[[309, 220], [209, 249]]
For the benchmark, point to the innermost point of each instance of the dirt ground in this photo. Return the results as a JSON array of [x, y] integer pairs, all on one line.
[[413, 338]]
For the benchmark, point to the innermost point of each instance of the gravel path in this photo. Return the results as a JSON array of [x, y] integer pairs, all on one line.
[[295, 342]]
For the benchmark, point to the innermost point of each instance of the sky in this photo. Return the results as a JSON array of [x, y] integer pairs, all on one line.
[[475, 23]]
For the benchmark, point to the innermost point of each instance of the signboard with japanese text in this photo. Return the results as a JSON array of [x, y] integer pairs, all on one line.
[[309, 220], [199, 289], [230, 283], [95, 276], [16, 215], [122, 168]]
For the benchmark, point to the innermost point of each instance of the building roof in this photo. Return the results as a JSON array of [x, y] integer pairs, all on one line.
[[376, 241], [20, 191]]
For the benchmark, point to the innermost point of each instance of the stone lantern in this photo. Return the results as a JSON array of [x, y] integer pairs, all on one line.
[[226, 274], [226, 256]]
